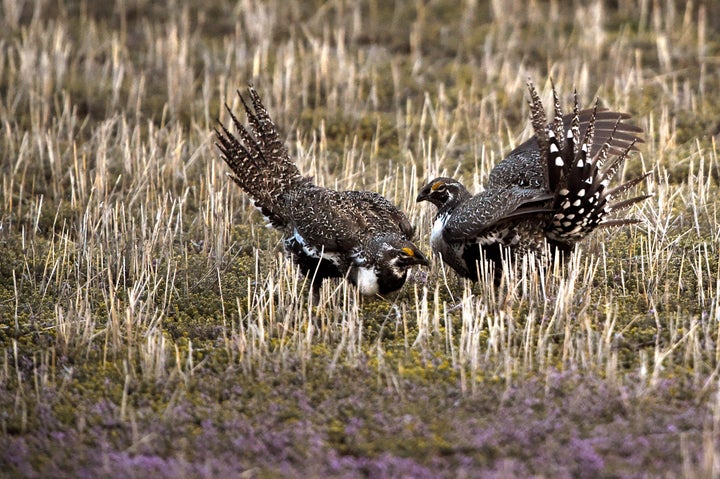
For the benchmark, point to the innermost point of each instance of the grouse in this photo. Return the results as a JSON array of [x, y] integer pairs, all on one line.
[[551, 190], [329, 234]]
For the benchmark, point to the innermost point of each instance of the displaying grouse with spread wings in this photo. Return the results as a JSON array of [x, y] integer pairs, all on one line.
[[551, 190]]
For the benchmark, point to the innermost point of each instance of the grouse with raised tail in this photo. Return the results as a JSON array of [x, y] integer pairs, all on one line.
[[329, 234], [551, 190]]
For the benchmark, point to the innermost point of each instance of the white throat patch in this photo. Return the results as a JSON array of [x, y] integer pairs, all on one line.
[[437, 231], [367, 281]]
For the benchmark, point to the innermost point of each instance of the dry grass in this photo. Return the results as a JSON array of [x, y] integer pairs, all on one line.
[[138, 286]]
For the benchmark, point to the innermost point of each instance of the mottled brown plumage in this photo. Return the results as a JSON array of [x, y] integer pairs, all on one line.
[[550, 190], [355, 234]]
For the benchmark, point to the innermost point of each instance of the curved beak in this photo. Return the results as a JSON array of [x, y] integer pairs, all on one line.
[[420, 259], [413, 256]]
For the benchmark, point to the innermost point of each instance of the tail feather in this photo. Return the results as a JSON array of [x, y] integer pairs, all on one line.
[[266, 130], [608, 126], [625, 204], [583, 152], [608, 172], [537, 118], [559, 130], [604, 152], [618, 222], [254, 148], [574, 127], [589, 137], [618, 190], [233, 153], [245, 159], [259, 161]]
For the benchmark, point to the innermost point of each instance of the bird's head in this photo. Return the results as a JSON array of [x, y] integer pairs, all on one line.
[[404, 254], [385, 264], [395, 253], [442, 192]]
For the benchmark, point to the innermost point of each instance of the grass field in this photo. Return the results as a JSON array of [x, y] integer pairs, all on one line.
[[150, 325]]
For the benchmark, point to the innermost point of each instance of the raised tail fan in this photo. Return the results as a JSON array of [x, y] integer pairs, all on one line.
[[581, 165], [260, 163]]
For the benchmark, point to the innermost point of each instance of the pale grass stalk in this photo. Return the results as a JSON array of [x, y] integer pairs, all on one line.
[[425, 330], [349, 347], [5, 373], [153, 355], [474, 317]]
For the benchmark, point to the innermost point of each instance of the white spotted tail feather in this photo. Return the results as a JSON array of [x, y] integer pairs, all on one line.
[[579, 169]]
